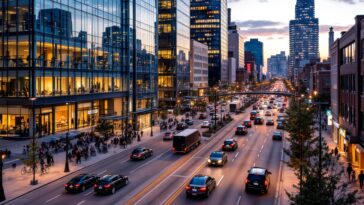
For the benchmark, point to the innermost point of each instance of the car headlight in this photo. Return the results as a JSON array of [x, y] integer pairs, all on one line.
[[209, 160], [219, 161]]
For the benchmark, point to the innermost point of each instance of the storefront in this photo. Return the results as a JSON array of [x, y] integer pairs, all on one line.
[[335, 131], [143, 121], [342, 143], [14, 121]]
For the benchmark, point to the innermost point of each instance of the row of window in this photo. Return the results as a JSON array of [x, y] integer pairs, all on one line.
[[348, 54], [348, 113], [347, 82]]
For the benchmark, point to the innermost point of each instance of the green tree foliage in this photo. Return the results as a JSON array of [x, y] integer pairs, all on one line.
[[104, 127], [28, 159]]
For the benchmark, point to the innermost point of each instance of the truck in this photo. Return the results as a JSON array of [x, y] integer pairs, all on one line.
[[186, 141], [235, 105]]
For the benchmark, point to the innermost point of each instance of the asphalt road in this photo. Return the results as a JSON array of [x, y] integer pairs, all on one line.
[[161, 179]]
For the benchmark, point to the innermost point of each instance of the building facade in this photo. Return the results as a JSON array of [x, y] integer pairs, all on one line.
[[347, 58], [209, 25], [255, 47], [174, 51], [199, 65], [232, 71], [303, 37], [67, 66], [277, 65], [251, 66], [320, 81]]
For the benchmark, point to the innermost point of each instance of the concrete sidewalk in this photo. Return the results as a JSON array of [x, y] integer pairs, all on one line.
[[13, 177]]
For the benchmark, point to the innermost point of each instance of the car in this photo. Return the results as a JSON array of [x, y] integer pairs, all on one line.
[[108, 184], [258, 121], [230, 145], [253, 114], [281, 110], [280, 125], [200, 185], [277, 136], [247, 123], [189, 122], [255, 107], [269, 122], [141, 153], [80, 183], [217, 158], [181, 126], [261, 108], [268, 113], [202, 116], [269, 107], [205, 124], [168, 135], [241, 130], [258, 180]]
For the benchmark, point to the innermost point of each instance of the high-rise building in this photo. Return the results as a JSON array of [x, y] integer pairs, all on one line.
[[250, 65], [199, 65], [236, 50], [174, 51], [331, 37], [277, 65], [64, 67], [303, 37], [255, 47], [209, 25]]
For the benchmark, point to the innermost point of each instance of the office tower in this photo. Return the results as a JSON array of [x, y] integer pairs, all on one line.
[[255, 47], [303, 37], [277, 65], [209, 25], [199, 65]]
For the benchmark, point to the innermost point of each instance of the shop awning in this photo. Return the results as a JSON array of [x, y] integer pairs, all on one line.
[[140, 112], [114, 117]]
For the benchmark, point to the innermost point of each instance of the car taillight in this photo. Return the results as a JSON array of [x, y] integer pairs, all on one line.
[[232, 144], [95, 185], [139, 155], [203, 189], [174, 149], [266, 183], [247, 181], [223, 146], [188, 187], [77, 185], [66, 185], [185, 149], [107, 186]]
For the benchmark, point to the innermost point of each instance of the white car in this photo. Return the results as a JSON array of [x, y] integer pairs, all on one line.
[[205, 124]]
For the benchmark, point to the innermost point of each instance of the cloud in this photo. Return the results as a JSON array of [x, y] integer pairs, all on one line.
[[265, 31], [325, 28], [257, 23], [350, 1]]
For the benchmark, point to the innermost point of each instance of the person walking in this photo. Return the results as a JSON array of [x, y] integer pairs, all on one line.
[[349, 170], [361, 179], [336, 151]]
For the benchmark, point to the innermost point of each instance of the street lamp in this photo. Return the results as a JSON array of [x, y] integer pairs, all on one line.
[[33, 181], [2, 193], [66, 166]]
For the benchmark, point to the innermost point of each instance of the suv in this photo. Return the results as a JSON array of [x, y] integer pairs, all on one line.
[[241, 130], [200, 185], [257, 180]]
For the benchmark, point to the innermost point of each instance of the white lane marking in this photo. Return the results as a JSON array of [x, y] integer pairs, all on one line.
[[11, 161], [81, 202], [180, 176], [232, 160], [89, 193], [262, 147], [238, 200], [220, 180], [148, 162], [53, 198], [101, 172], [236, 155]]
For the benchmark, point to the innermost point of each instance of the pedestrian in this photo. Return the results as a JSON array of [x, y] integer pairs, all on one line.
[[138, 137], [353, 176], [349, 170], [361, 179], [141, 134], [336, 151]]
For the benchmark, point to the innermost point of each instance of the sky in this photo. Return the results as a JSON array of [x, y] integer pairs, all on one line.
[[268, 20]]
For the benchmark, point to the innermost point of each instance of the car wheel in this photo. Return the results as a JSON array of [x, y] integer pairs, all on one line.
[[113, 190]]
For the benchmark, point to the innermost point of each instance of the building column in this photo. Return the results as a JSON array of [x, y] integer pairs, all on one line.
[[32, 128]]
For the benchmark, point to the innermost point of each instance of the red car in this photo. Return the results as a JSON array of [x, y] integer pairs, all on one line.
[[247, 123]]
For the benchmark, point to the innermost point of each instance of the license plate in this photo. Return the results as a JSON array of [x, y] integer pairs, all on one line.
[[71, 186], [194, 194], [100, 187], [255, 183], [194, 189]]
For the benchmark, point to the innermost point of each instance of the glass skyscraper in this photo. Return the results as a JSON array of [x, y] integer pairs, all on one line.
[[303, 37], [255, 47], [66, 64], [174, 51], [209, 25]]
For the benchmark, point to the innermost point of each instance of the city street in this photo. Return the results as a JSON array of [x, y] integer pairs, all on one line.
[[162, 178]]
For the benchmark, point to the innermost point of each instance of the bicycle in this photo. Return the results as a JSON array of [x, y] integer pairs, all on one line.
[[44, 169], [27, 170]]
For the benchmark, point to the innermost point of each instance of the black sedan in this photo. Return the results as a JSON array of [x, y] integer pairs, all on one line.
[[280, 125], [230, 145], [258, 180], [141, 153], [80, 183], [241, 130], [108, 184], [189, 122], [200, 185], [258, 121], [277, 136], [247, 123], [217, 158], [269, 122]]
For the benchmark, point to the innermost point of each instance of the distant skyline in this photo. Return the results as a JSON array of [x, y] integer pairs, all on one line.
[[268, 20]]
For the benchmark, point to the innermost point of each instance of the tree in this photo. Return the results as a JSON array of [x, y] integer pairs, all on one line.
[[104, 127], [28, 159], [316, 186]]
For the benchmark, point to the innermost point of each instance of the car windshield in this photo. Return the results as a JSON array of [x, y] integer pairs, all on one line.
[[277, 133], [253, 177], [103, 182], [198, 181], [216, 154], [228, 142], [137, 150], [168, 133], [75, 180]]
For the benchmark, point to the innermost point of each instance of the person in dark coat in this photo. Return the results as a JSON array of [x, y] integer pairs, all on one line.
[[361, 179], [349, 170]]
